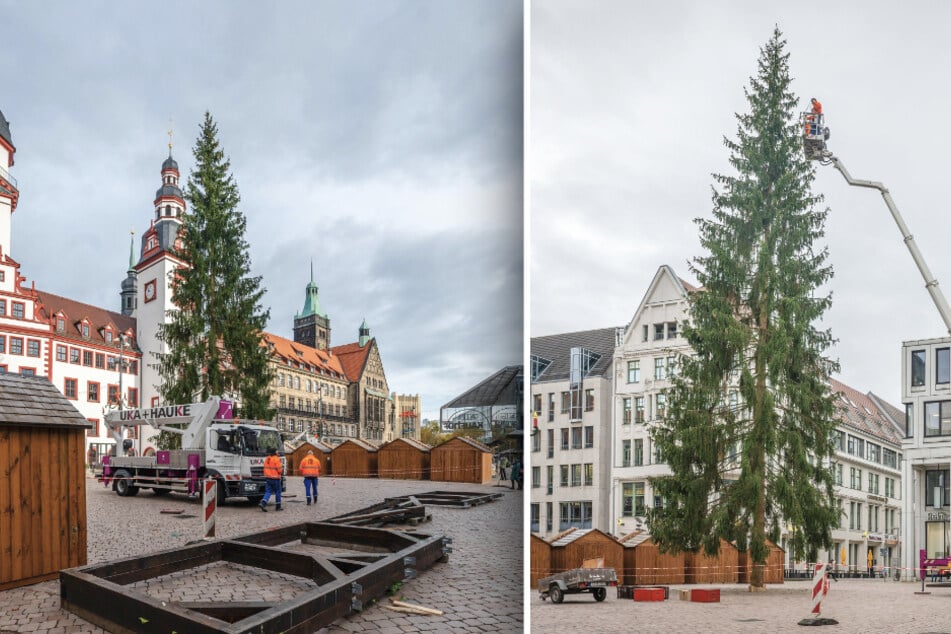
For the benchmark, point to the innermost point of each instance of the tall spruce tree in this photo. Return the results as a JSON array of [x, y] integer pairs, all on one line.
[[215, 334], [743, 467]]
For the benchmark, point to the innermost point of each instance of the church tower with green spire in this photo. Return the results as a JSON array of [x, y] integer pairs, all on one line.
[[312, 326]]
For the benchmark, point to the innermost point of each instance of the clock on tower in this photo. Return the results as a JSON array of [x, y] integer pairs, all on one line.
[[150, 290]]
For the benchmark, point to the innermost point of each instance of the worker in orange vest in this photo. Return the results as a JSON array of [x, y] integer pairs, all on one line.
[[310, 469], [815, 117], [273, 470]]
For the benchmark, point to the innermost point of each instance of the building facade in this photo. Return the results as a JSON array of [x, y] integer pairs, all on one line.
[[926, 394], [369, 393], [570, 452]]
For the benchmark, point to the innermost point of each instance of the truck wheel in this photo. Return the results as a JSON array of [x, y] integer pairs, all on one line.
[[124, 487], [599, 594], [557, 596]]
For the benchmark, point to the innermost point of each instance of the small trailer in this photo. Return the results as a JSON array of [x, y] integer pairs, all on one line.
[[593, 580]]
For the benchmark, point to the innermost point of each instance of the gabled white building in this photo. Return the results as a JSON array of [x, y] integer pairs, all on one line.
[[570, 445], [646, 354]]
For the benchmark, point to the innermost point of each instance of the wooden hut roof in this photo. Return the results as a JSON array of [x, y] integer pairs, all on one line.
[[469, 441], [35, 402], [635, 539], [359, 442], [412, 442], [567, 538]]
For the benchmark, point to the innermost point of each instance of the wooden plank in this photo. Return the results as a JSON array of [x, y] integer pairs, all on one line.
[[77, 480], [6, 510], [282, 561], [229, 612], [16, 495], [48, 500]]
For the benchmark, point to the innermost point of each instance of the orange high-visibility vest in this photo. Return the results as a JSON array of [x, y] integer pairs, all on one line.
[[272, 467], [310, 467]]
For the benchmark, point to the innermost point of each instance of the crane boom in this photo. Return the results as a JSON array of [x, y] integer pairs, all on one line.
[[931, 283]]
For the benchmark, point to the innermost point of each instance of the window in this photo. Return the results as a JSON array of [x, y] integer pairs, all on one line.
[[626, 410], [19, 309], [536, 477], [565, 402], [536, 438], [658, 332], [551, 443], [535, 519], [73, 355], [856, 446], [3, 344], [658, 454], [633, 371], [659, 368], [589, 474], [564, 475], [3, 308], [576, 475], [625, 453], [133, 397], [61, 353], [942, 366], [32, 348], [644, 337], [87, 358], [576, 438], [70, 388], [873, 483], [873, 452], [917, 368], [85, 330], [638, 452], [549, 512], [60, 324], [16, 345], [937, 415], [589, 437], [837, 473], [588, 400], [639, 409], [551, 406], [100, 360], [551, 478], [889, 487], [112, 394], [627, 499], [838, 440], [575, 515], [108, 336], [671, 367], [661, 402], [889, 458], [671, 329], [855, 478], [27, 371], [536, 404], [909, 419], [564, 440], [639, 498], [936, 482]]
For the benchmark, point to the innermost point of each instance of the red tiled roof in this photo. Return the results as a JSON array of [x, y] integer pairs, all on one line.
[[298, 353], [50, 304], [353, 356], [862, 412]]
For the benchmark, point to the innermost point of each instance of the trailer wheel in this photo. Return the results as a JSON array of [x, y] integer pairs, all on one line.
[[599, 594], [557, 596], [124, 486]]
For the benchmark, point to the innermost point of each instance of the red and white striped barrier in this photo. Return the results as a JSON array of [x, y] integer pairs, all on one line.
[[209, 503], [820, 586]]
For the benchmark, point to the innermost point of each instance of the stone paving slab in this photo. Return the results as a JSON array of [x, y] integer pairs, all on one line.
[[479, 589], [869, 606]]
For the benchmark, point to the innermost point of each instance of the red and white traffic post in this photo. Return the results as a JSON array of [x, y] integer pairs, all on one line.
[[209, 503]]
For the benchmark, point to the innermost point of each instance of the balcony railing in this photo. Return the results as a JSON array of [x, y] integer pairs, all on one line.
[[5, 175]]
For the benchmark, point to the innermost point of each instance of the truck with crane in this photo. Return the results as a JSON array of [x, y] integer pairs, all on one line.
[[213, 445]]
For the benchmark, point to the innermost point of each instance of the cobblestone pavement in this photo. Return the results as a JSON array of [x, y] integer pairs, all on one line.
[[868, 606], [479, 589]]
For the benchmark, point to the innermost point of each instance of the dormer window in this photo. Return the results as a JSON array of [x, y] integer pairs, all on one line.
[[85, 330], [60, 324], [108, 336], [152, 243]]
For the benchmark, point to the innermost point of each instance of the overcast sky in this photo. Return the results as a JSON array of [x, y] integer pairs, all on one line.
[[382, 140], [629, 107]]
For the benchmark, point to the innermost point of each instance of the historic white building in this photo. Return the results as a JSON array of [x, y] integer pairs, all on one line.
[[570, 458]]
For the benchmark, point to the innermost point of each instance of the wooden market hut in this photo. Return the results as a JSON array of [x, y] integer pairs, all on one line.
[[296, 454], [461, 459], [42, 452], [722, 568], [775, 565], [539, 560], [354, 458], [572, 548], [404, 459], [644, 564]]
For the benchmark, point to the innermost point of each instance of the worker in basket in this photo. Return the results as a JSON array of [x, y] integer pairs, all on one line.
[[814, 118]]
